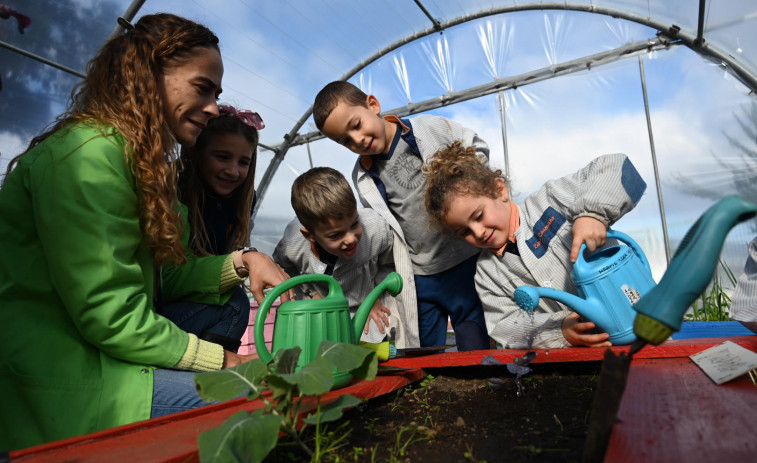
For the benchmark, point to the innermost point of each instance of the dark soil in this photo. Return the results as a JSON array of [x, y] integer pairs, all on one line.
[[456, 415]]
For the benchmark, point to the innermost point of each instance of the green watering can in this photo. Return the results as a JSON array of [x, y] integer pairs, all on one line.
[[306, 323]]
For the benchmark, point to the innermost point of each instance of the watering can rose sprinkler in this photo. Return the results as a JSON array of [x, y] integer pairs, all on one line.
[[307, 323], [608, 282]]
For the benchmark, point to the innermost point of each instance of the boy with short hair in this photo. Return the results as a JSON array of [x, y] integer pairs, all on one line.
[[331, 236], [389, 180]]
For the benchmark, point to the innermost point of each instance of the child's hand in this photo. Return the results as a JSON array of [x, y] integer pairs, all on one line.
[[590, 231], [573, 330], [380, 315]]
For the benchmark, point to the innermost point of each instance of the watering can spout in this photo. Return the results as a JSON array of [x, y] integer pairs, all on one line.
[[392, 283], [661, 311], [528, 297]]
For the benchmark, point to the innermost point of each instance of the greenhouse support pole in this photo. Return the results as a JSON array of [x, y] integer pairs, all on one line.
[[310, 156], [654, 160], [128, 15], [31, 55], [503, 120]]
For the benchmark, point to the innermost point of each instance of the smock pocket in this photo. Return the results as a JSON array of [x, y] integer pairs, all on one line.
[[42, 409]]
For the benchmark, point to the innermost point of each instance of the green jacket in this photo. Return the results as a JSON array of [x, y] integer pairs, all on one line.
[[79, 335]]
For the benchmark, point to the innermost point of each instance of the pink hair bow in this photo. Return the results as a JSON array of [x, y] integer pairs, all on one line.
[[249, 118]]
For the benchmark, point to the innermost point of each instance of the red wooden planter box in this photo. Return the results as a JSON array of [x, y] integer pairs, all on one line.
[[671, 411]]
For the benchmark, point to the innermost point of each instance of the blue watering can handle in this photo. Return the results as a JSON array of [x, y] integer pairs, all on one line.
[[334, 290], [627, 240], [630, 242]]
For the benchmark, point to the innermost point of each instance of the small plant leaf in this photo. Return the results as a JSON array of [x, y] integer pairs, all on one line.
[[317, 377], [279, 386], [232, 382], [490, 361], [359, 361], [517, 369], [334, 410], [497, 383], [242, 438], [285, 361]]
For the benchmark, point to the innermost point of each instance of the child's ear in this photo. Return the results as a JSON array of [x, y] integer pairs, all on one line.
[[502, 192], [308, 236], [373, 104]]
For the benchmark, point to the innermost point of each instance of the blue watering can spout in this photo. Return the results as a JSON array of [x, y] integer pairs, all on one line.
[[528, 298]]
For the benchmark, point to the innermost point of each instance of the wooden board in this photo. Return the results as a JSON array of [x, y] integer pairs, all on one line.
[[173, 438], [668, 349], [671, 411]]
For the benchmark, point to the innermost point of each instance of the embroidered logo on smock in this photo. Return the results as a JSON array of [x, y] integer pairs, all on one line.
[[544, 230], [406, 171]]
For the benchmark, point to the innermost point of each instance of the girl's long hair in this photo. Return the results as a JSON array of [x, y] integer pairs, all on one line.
[[192, 189], [122, 89]]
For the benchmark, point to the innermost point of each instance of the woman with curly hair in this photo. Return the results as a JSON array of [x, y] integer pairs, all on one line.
[[88, 218]]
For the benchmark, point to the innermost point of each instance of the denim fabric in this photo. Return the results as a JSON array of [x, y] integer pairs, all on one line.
[[451, 293], [228, 320], [174, 391]]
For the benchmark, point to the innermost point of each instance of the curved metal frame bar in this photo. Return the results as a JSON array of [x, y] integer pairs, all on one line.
[[694, 42]]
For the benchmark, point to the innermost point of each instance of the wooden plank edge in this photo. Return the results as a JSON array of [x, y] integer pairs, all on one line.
[[174, 437]]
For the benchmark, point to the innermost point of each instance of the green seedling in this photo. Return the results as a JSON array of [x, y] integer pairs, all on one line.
[[250, 437], [714, 304]]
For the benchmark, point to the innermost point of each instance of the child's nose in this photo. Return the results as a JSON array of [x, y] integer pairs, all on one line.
[[480, 232]]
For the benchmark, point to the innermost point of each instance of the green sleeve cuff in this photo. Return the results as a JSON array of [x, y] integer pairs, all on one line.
[[201, 356], [229, 277]]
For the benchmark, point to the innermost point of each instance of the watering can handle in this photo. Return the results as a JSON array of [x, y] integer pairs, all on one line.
[[334, 290], [625, 239], [633, 244]]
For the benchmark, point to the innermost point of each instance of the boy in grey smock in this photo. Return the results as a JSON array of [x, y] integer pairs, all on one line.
[[388, 179], [331, 236]]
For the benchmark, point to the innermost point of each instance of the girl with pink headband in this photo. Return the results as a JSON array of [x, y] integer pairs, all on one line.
[[217, 191]]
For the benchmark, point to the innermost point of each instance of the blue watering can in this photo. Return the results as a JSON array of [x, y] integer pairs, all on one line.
[[609, 282]]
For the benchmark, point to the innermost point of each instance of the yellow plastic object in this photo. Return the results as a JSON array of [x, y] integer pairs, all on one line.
[[381, 348], [651, 330]]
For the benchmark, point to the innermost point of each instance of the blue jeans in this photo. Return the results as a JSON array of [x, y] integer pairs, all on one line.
[[229, 320], [452, 294], [174, 391]]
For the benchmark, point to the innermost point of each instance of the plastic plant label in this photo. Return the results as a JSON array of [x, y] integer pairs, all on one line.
[[725, 361]]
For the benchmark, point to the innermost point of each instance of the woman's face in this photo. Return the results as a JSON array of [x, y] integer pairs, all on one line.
[[190, 91], [225, 162]]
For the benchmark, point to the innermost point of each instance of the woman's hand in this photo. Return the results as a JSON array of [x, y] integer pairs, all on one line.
[[231, 359], [574, 332], [590, 231], [264, 273]]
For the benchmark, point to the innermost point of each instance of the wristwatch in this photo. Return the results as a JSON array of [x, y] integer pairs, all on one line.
[[242, 271]]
